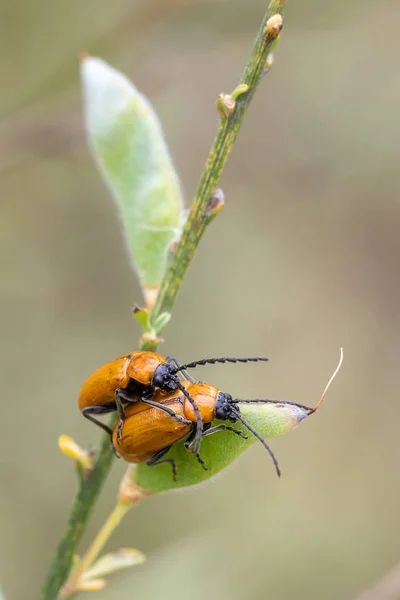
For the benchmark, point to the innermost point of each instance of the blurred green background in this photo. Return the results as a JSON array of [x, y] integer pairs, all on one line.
[[304, 259]]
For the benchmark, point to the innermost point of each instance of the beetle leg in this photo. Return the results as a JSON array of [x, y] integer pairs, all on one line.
[[119, 396], [113, 448], [190, 440], [119, 428], [201, 461], [97, 410], [208, 430], [199, 422], [223, 427], [158, 459], [128, 396], [168, 410], [122, 395]]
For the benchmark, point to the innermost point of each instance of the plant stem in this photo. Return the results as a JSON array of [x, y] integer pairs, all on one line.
[[82, 507], [193, 231], [217, 158], [96, 547]]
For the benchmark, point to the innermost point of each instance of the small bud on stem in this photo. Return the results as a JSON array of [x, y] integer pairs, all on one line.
[[274, 26], [83, 457]]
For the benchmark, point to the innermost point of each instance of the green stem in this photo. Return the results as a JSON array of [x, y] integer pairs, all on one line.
[[95, 548], [217, 158], [195, 226], [81, 510]]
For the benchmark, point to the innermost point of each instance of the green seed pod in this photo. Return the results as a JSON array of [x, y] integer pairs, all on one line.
[[220, 449], [125, 136]]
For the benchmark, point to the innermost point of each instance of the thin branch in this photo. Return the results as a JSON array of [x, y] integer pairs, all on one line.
[[217, 158], [81, 510], [95, 548]]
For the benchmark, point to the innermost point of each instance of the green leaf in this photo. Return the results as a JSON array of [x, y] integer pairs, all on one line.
[[125, 136], [142, 316], [114, 561], [220, 449]]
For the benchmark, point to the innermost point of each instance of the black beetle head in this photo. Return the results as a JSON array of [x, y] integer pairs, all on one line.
[[224, 408], [165, 378]]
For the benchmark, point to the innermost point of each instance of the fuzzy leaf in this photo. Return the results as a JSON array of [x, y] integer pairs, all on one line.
[[127, 141]]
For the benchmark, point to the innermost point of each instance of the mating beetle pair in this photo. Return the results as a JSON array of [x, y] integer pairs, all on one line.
[[156, 408], [136, 377]]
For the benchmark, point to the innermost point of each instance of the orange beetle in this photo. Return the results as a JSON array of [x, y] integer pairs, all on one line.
[[147, 434], [136, 376], [127, 379]]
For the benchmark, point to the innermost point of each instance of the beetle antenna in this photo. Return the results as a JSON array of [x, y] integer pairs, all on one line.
[[261, 439], [310, 410], [262, 401], [199, 422], [213, 361], [335, 372]]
